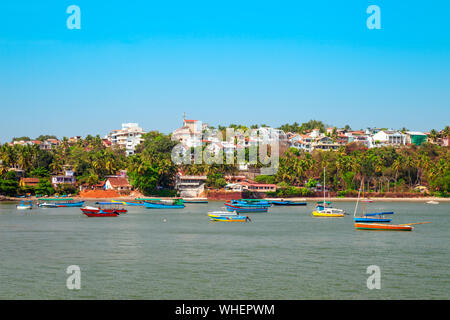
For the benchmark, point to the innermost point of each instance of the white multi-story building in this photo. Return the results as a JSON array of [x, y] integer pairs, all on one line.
[[388, 138], [127, 138]]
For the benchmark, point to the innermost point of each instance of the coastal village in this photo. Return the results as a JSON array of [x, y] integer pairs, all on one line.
[[244, 177]]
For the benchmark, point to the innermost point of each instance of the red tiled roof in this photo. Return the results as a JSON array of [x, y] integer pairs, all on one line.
[[190, 120], [119, 182], [30, 180]]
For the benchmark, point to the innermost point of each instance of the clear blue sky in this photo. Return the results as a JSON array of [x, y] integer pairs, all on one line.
[[222, 62]]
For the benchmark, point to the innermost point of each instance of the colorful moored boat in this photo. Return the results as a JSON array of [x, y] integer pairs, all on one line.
[[165, 204], [59, 203], [227, 217], [25, 205], [383, 227], [329, 213], [98, 212], [287, 203], [373, 217], [128, 203], [260, 202], [244, 209]]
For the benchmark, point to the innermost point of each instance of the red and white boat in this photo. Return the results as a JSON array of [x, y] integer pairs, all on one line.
[[102, 212]]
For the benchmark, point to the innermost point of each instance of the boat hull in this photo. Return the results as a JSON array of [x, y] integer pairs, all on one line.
[[327, 215], [125, 203], [250, 205], [24, 207], [149, 205], [288, 203], [371, 220], [240, 209], [230, 218], [193, 201], [382, 227], [70, 204], [91, 214]]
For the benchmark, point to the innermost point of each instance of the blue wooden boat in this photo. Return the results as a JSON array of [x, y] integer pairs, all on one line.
[[58, 203], [373, 217], [177, 204], [258, 202], [244, 209], [288, 203], [227, 217], [127, 203], [249, 205]]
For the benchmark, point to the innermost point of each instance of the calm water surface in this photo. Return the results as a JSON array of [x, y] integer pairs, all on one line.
[[180, 254]]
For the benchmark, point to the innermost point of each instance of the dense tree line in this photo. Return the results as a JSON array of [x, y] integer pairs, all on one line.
[[151, 170]]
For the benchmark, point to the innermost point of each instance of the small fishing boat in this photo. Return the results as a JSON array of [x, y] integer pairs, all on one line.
[[25, 205], [227, 217], [111, 207], [59, 203], [287, 203], [383, 227], [432, 202], [244, 209], [165, 204], [368, 217], [128, 203], [239, 203], [98, 212], [251, 202]]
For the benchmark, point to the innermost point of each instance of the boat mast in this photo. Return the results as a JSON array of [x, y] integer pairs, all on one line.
[[324, 187], [357, 201], [364, 207]]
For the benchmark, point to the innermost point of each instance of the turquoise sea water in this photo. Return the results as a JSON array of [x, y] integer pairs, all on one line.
[[180, 254]]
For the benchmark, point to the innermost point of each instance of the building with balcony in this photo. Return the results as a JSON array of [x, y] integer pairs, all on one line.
[[127, 138]]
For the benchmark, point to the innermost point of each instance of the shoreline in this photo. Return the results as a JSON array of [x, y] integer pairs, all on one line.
[[307, 199]]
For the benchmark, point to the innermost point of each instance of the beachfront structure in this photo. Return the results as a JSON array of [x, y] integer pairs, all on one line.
[[388, 138], [250, 186], [127, 138], [190, 186], [415, 137], [119, 184]]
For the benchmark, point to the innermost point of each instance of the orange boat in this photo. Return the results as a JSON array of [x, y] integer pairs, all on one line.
[[383, 227]]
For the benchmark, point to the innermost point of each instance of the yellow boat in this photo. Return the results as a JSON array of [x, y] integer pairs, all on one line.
[[329, 212]]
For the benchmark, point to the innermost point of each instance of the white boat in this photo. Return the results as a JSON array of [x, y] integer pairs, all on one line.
[[222, 213], [47, 205], [25, 205], [432, 202]]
